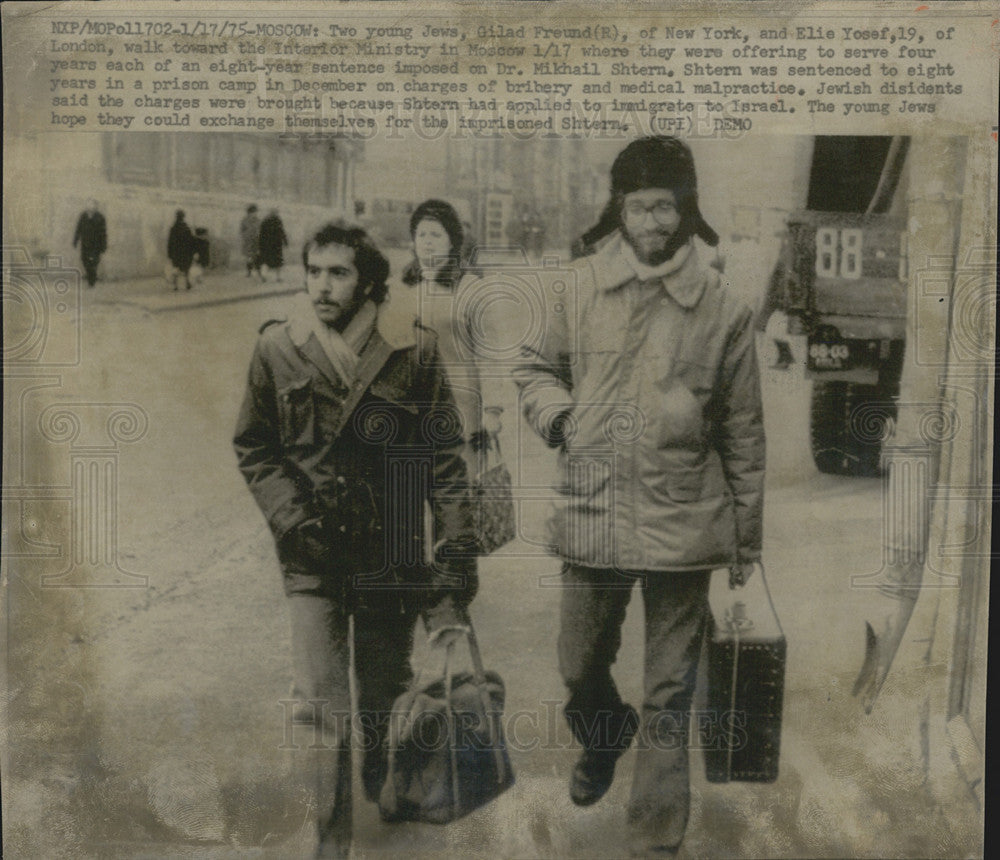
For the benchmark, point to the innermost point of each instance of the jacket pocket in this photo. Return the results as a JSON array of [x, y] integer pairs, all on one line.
[[297, 413], [683, 485], [698, 377], [674, 474], [585, 475], [678, 419]]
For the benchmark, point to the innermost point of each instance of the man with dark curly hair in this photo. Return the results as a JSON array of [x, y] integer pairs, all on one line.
[[345, 407]]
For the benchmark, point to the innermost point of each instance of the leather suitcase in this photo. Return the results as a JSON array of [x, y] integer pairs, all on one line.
[[746, 681]]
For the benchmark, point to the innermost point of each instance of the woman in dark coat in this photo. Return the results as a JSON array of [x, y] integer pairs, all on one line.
[[180, 249], [272, 243], [436, 288]]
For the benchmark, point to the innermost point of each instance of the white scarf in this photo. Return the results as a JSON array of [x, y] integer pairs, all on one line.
[[650, 273], [344, 350]]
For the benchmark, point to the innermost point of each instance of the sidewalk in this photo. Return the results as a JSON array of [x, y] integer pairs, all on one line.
[[217, 287], [222, 286]]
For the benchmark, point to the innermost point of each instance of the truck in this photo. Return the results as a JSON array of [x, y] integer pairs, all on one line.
[[841, 280]]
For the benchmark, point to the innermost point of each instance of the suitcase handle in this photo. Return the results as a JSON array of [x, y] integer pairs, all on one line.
[[738, 625], [767, 591], [743, 624]]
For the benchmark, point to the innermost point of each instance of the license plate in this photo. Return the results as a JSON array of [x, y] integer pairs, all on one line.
[[829, 356]]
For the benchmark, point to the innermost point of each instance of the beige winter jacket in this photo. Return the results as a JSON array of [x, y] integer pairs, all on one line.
[[662, 467]]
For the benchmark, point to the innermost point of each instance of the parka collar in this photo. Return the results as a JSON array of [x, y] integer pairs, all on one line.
[[684, 284], [395, 327]]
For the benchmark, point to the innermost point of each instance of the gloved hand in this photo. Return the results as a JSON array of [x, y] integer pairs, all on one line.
[[307, 545], [739, 574], [492, 425], [455, 572], [559, 430], [447, 635]]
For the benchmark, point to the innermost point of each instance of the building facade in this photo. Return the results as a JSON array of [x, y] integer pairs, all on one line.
[[141, 180], [509, 184]]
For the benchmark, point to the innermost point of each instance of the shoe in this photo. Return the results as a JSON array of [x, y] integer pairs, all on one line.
[[592, 777], [594, 771]]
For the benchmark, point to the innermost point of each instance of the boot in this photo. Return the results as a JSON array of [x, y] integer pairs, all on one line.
[[595, 769]]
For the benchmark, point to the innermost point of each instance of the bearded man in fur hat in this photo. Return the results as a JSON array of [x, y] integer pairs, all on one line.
[[650, 392]]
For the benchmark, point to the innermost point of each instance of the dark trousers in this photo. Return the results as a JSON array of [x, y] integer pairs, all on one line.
[[90, 261], [182, 269], [321, 659], [676, 612]]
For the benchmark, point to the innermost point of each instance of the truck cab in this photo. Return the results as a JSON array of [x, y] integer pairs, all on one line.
[[841, 280]]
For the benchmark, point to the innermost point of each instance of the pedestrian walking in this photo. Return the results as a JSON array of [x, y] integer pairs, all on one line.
[[435, 291], [272, 243], [344, 403], [771, 301], [534, 234], [180, 250], [651, 394], [92, 236], [250, 240]]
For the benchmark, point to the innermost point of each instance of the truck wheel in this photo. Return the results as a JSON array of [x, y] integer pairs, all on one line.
[[847, 422], [828, 418]]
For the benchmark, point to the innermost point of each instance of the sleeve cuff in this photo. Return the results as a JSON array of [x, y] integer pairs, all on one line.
[[444, 613], [287, 517], [552, 406]]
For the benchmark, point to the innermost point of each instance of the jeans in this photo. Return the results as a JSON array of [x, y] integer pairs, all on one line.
[[321, 658], [676, 614]]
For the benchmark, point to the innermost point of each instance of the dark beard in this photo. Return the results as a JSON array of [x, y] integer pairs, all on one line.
[[344, 320], [677, 241]]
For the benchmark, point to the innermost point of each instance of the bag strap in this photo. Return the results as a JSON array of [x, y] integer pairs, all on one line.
[[770, 602], [452, 733], [479, 675], [373, 359], [491, 455], [389, 786], [491, 719], [478, 669], [732, 694]]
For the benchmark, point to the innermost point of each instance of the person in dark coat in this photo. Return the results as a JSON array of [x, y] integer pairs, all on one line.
[[273, 241], [92, 236], [329, 469], [250, 240], [181, 249]]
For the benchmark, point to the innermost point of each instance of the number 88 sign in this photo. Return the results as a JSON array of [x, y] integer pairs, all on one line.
[[838, 253]]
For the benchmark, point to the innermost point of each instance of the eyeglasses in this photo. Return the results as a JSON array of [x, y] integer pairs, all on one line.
[[663, 211]]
